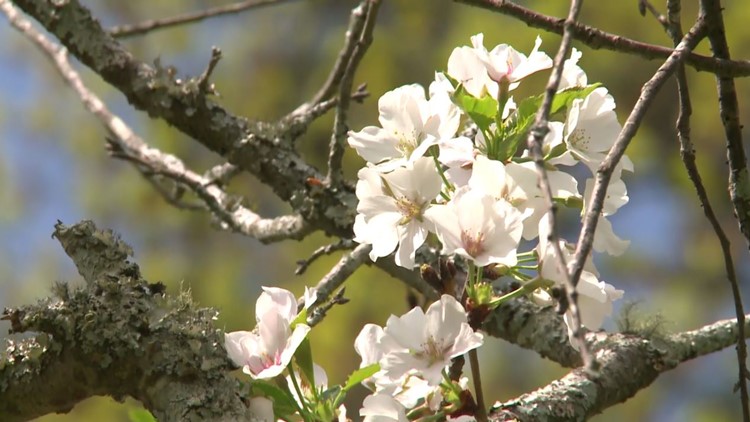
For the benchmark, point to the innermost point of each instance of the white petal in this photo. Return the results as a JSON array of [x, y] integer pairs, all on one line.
[[278, 300]]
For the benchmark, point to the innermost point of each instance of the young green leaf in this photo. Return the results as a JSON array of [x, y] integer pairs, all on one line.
[[360, 375], [283, 403]]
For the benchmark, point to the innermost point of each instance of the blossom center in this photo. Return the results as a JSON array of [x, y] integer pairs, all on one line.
[[579, 139], [409, 210], [407, 143], [473, 243], [432, 350]]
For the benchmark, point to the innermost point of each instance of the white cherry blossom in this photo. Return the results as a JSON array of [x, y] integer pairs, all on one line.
[[410, 125], [595, 297], [427, 341], [382, 408], [592, 127], [505, 63], [605, 240], [479, 71], [391, 209], [572, 74], [476, 226]]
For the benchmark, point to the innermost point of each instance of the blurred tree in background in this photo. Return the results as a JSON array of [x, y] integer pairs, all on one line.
[[53, 166]]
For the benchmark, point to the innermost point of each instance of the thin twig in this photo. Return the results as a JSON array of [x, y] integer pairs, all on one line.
[[536, 135], [204, 85], [607, 167], [323, 250], [367, 13], [595, 38], [128, 144], [644, 5], [341, 271], [739, 189], [130, 30]]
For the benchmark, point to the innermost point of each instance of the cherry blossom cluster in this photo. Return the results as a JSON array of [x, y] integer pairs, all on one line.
[[452, 165], [446, 169]]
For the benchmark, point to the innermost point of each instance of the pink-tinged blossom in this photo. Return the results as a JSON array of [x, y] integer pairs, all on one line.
[[476, 226], [479, 71], [391, 209], [266, 351], [426, 342]]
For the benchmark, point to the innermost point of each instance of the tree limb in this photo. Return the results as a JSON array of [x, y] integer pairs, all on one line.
[[127, 145], [595, 38], [116, 336], [627, 364], [123, 31]]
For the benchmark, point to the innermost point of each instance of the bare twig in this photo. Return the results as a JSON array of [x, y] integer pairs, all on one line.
[[128, 144], [320, 312], [595, 38], [204, 85], [607, 167], [536, 135], [366, 12], [123, 31], [323, 250], [644, 5], [739, 188], [341, 271]]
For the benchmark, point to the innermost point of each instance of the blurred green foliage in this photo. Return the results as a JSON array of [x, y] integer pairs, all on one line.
[[274, 59]]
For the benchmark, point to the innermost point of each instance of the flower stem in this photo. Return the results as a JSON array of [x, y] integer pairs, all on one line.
[[481, 410], [304, 411]]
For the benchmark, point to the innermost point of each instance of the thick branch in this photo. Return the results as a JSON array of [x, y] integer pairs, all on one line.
[[126, 144], [628, 364], [263, 149], [117, 336]]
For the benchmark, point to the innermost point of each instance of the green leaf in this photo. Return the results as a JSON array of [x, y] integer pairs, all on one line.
[[140, 415], [481, 110], [360, 375], [303, 358], [564, 98], [283, 402], [523, 117]]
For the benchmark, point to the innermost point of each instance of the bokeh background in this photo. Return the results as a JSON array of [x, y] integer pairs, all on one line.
[[53, 166]]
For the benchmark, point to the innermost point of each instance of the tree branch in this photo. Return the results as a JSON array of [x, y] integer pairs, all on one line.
[[117, 336], [123, 31], [607, 167], [534, 142], [361, 39], [127, 145], [628, 364], [739, 181], [596, 39]]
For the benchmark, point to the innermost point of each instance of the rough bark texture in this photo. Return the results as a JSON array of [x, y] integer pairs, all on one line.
[[120, 336]]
